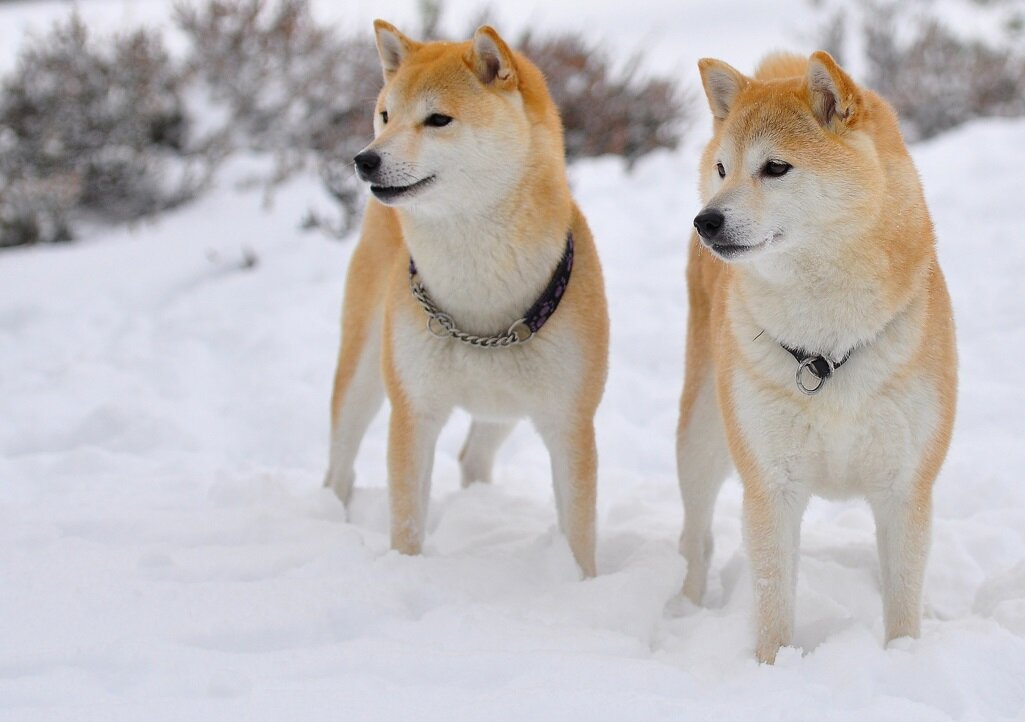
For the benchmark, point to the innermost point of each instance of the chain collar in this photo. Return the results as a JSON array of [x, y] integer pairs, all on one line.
[[820, 366], [442, 325]]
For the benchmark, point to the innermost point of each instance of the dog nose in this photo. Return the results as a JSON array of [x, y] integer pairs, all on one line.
[[709, 223], [366, 163]]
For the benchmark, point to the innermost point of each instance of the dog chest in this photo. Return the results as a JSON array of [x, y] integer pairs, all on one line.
[[839, 446], [525, 380]]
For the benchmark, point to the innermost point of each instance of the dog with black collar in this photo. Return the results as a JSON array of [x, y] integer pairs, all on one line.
[[820, 346]]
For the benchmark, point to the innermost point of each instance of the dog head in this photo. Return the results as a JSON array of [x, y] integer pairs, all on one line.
[[790, 166], [452, 125]]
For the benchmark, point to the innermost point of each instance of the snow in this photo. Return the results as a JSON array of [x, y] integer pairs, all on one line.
[[166, 551]]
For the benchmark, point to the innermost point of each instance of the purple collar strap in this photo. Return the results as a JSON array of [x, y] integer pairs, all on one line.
[[442, 325]]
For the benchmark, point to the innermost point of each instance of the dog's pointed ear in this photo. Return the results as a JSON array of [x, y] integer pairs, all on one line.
[[491, 59], [722, 84], [835, 99], [392, 46]]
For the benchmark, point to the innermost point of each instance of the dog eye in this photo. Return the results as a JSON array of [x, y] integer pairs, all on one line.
[[437, 120], [384, 117], [722, 171], [776, 168]]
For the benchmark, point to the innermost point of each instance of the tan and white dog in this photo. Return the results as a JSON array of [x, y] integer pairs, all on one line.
[[468, 175], [820, 345]]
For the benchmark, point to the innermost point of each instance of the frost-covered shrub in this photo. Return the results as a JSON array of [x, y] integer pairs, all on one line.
[[937, 71], [107, 126], [288, 85], [605, 110], [937, 80], [89, 125], [298, 89], [35, 210]]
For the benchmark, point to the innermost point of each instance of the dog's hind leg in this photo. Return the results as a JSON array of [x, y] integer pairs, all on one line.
[[358, 386], [482, 443], [358, 394], [574, 457], [702, 456], [703, 463]]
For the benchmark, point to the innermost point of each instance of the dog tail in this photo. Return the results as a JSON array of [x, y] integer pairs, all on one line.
[[779, 66]]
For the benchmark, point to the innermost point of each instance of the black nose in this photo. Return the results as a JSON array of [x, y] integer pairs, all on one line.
[[366, 163], [709, 223]]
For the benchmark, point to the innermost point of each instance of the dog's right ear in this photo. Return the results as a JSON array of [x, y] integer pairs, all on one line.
[[491, 59], [722, 84], [392, 46], [834, 97]]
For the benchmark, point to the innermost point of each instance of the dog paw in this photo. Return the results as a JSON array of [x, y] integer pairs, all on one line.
[[681, 606], [340, 483]]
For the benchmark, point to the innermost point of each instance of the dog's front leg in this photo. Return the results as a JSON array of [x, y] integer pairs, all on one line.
[[574, 459], [772, 528], [411, 440], [902, 534]]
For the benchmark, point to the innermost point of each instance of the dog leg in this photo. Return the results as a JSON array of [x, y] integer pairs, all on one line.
[[902, 534], [772, 526], [702, 463], [478, 454], [358, 386], [574, 458], [357, 397], [411, 440]]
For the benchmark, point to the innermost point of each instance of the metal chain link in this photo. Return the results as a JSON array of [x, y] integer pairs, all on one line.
[[441, 325]]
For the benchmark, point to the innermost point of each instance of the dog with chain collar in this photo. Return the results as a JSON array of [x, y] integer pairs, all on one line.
[[475, 283], [820, 346]]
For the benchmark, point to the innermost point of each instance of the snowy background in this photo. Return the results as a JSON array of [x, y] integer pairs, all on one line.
[[167, 553]]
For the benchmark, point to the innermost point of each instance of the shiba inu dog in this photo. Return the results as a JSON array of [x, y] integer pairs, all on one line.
[[820, 344], [475, 284]]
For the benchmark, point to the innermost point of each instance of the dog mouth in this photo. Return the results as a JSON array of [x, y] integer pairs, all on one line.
[[726, 250], [731, 251], [388, 194]]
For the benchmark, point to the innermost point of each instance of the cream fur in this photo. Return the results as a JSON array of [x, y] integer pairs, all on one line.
[[487, 232], [840, 255]]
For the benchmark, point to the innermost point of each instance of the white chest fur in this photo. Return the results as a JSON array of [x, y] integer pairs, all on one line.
[[531, 379], [863, 434], [485, 281]]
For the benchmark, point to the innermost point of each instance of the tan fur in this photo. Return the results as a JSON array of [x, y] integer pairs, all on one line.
[[487, 88], [380, 244], [874, 278]]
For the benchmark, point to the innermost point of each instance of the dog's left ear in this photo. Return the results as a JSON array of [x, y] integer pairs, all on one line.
[[722, 83], [835, 99], [492, 60], [392, 46]]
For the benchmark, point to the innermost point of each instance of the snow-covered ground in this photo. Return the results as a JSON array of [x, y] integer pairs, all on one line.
[[167, 553]]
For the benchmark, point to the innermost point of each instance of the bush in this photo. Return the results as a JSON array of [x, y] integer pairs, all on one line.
[[290, 87], [937, 80], [605, 111], [93, 126], [105, 127], [295, 88], [934, 77]]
